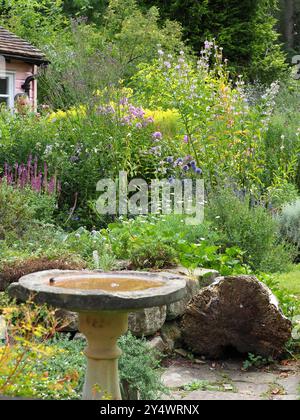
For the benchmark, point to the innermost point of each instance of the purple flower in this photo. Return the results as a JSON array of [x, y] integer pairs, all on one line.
[[208, 45], [124, 101], [170, 159], [185, 168], [199, 171], [157, 135], [167, 64], [186, 138], [139, 125], [179, 162]]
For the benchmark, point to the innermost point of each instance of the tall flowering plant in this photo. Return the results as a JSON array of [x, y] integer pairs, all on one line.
[[29, 176], [223, 133]]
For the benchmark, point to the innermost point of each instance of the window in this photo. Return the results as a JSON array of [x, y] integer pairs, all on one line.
[[7, 89]]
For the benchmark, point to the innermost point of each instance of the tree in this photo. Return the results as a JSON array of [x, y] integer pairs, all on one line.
[[93, 10], [246, 31]]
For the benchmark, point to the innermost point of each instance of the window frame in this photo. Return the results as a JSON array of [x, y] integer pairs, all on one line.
[[10, 96]]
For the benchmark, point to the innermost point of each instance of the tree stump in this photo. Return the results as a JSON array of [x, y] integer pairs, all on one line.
[[236, 312]]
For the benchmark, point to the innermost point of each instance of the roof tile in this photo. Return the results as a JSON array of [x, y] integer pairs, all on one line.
[[12, 45]]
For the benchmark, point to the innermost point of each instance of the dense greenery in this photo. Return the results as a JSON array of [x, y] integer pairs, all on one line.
[[245, 30]]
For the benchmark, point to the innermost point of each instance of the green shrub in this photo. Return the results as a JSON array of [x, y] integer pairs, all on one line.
[[252, 229], [289, 221], [21, 209], [246, 31], [139, 369], [152, 255]]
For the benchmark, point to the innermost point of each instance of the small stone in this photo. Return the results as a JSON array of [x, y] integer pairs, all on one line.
[[68, 320], [177, 309], [195, 280], [200, 362], [120, 265], [157, 344], [206, 277], [228, 387], [148, 321], [171, 335], [79, 337], [181, 352]]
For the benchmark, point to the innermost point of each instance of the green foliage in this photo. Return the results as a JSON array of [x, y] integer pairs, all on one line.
[[39, 21], [226, 262], [53, 244], [171, 230], [93, 10], [139, 370], [152, 255], [203, 385], [245, 30], [158, 242], [289, 221], [222, 132], [256, 361], [83, 146], [283, 142], [251, 228], [289, 303], [21, 209]]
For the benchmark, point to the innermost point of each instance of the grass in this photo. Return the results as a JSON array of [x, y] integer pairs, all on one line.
[[291, 281]]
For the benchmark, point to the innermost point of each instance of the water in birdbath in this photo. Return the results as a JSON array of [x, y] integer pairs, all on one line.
[[107, 284]]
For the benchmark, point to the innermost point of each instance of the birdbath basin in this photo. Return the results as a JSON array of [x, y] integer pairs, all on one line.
[[103, 302]]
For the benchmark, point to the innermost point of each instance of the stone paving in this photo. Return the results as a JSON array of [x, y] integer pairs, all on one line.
[[228, 381]]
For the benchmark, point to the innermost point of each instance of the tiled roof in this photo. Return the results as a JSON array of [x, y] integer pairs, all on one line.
[[12, 46]]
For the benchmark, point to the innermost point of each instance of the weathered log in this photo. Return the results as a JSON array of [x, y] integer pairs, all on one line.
[[235, 312]]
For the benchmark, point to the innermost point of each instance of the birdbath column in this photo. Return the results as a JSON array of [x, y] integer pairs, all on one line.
[[102, 330]]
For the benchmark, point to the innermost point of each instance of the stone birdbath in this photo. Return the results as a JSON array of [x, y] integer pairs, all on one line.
[[103, 302]]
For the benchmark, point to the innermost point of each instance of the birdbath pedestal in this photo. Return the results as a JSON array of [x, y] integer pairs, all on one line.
[[103, 302]]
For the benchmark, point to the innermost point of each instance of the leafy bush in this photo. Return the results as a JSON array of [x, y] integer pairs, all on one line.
[[246, 31], [152, 255], [251, 228], [226, 262], [289, 221], [160, 241], [20, 209], [139, 370]]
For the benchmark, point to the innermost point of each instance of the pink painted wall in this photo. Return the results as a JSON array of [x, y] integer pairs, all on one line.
[[22, 71]]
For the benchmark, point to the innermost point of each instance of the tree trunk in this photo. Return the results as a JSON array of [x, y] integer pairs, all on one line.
[[288, 22]]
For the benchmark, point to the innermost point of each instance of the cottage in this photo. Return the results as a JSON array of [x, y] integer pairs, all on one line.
[[19, 62]]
